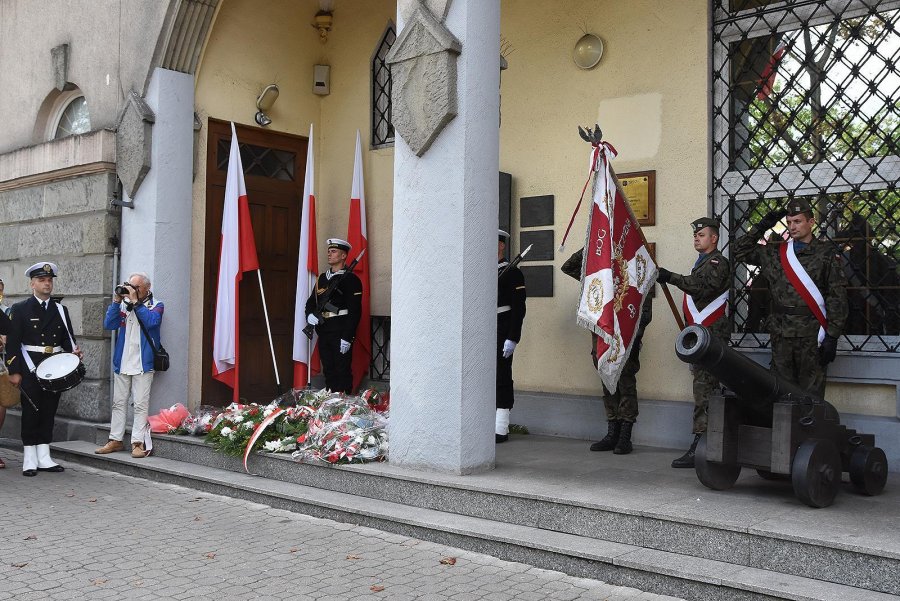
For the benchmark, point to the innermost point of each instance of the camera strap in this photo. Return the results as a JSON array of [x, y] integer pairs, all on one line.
[[146, 333]]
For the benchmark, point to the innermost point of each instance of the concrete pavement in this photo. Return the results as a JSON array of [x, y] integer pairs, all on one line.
[[92, 534]]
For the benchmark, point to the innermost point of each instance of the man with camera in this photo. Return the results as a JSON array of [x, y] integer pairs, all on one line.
[[133, 306]]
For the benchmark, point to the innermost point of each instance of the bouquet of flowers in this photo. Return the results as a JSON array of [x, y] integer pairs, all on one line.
[[231, 430], [201, 423], [343, 429]]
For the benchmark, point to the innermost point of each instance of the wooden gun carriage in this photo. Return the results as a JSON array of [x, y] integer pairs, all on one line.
[[775, 427]]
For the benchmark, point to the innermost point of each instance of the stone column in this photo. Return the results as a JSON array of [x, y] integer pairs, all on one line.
[[156, 233], [443, 307]]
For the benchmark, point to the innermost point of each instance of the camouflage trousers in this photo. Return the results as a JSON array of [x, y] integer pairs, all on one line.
[[797, 360], [705, 385], [622, 404]]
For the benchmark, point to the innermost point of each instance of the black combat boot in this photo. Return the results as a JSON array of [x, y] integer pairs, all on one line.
[[608, 442], [687, 460], [623, 447]]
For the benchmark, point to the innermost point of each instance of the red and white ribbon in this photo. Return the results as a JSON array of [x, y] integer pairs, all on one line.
[[710, 313], [259, 432], [804, 285]]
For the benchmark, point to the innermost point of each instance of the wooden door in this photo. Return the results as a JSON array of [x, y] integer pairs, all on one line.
[[274, 168]]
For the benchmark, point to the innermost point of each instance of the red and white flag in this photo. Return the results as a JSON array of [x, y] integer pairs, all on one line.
[[305, 357], [358, 239], [618, 271], [770, 71], [237, 255]]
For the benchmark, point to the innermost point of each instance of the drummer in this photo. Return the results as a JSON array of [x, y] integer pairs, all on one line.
[[37, 330]]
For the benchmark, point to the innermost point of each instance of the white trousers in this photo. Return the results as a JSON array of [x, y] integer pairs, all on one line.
[[138, 388]]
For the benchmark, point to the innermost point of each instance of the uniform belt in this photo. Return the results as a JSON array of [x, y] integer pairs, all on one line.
[[791, 310], [47, 350], [503, 309], [329, 314]]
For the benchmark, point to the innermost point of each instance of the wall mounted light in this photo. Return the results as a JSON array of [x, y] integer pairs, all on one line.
[[264, 103], [322, 21], [588, 50]]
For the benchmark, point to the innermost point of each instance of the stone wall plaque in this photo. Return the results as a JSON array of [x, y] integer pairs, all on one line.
[[640, 190], [538, 280], [535, 211], [543, 245]]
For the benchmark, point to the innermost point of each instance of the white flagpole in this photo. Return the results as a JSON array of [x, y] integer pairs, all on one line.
[[262, 294]]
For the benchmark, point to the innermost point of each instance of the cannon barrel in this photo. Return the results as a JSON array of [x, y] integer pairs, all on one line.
[[752, 382]]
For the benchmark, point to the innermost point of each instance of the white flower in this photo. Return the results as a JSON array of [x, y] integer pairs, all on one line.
[[237, 418], [268, 412], [247, 425], [272, 446], [226, 431]]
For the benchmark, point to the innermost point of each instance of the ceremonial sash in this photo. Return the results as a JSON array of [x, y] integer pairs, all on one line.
[[804, 285], [709, 315]]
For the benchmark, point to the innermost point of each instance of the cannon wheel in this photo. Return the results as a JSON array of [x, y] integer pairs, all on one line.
[[868, 469], [717, 476], [816, 472]]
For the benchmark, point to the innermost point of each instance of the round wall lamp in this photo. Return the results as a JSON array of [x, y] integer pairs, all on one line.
[[588, 50]]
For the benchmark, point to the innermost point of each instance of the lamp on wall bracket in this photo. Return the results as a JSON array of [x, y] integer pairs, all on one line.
[[588, 51], [264, 103], [324, 19]]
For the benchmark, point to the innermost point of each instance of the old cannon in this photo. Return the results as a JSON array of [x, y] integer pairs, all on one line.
[[775, 427]]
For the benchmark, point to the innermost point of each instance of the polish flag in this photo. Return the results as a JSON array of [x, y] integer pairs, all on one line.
[[767, 79], [305, 356], [237, 255], [358, 239]]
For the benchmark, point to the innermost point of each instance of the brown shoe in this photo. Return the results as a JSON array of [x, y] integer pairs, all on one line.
[[137, 450], [111, 446]]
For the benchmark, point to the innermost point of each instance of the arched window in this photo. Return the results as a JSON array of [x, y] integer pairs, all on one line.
[[382, 128], [74, 117]]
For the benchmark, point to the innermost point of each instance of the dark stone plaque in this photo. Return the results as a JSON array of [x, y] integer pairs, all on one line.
[[538, 280], [543, 245], [536, 210]]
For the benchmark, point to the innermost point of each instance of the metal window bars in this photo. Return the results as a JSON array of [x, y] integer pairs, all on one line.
[[382, 128]]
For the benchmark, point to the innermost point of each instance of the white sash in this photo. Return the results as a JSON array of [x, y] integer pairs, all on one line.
[[805, 287], [708, 315]]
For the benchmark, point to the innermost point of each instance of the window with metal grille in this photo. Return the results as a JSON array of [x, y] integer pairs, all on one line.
[[259, 160], [806, 103], [382, 128], [380, 367]]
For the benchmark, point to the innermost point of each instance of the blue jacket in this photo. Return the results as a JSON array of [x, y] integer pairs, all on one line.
[[150, 313]]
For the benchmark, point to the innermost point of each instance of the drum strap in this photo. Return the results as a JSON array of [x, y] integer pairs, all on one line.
[[62, 314], [28, 361]]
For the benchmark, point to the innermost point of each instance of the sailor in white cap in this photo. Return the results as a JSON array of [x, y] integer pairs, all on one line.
[[39, 328], [510, 316], [334, 308]]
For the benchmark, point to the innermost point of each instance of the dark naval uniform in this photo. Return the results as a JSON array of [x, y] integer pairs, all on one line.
[[793, 329], [621, 405], [339, 322], [43, 332], [510, 316], [709, 278]]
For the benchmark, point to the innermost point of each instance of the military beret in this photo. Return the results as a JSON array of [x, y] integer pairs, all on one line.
[[798, 206], [699, 224], [503, 236], [42, 269], [338, 244]]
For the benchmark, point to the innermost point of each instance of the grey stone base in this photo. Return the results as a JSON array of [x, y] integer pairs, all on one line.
[[64, 428], [662, 424]]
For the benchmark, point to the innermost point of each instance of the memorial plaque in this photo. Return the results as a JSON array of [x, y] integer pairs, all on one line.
[[538, 280], [535, 211], [543, 245], [640, 190]]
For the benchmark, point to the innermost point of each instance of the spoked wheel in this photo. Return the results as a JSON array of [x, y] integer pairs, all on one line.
[[868, 470], [816, 472], [717, 476]]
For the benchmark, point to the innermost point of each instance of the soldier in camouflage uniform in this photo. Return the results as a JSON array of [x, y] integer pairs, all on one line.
[[797, 354], [621, 405], [704, 287]]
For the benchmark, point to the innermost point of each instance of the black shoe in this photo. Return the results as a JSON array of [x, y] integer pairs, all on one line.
[[687, 460], [498, 438], [55, 469], [623, 446], [29, 473], [608, 442]]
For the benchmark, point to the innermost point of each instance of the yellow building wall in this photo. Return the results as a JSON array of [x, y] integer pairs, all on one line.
[[648, 93]]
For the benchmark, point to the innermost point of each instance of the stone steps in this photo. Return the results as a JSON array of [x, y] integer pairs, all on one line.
[[653, 570]]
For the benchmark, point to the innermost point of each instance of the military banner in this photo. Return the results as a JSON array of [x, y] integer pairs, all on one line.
[[618, 271]]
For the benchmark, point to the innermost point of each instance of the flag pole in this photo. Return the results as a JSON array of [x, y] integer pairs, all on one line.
[[309, 342], [662, 285], [262, 294]]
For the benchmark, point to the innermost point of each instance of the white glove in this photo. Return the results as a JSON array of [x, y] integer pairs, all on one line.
[[508, 347], [345, 346], [312, 320]]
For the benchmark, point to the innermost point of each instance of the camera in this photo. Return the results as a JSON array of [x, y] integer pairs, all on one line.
[[124, 289]]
